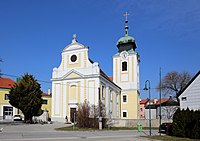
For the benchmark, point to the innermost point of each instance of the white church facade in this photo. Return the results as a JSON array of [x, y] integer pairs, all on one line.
[[78, 78]]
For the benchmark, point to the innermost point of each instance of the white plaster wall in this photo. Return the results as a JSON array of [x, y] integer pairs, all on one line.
[[114, 113], [58, 98], [110, 106], [91, 92], [192, 93]]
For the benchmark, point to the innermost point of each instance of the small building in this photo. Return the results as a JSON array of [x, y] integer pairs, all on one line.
[[6, 110], [150, 111], [46, 104], [190, 95], [143, 104], [168, 107]]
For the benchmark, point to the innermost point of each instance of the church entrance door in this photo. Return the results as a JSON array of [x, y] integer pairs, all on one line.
[[72, 115]]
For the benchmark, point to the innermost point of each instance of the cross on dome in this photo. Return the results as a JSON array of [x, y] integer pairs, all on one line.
[[126, 15], [126, 24]]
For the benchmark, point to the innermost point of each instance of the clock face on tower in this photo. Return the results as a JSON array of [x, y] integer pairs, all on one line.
[[124, 55]]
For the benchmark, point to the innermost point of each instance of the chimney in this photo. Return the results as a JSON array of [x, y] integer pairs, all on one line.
[[48, 91], [155, 100]]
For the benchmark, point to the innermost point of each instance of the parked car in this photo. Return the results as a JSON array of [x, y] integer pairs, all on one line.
[[166, 128], [17, 118]]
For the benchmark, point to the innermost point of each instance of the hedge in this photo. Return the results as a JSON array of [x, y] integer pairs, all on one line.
[[186, 123]]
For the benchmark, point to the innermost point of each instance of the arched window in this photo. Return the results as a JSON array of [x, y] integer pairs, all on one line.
[[124, 66]]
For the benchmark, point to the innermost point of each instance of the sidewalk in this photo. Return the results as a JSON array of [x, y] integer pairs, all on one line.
[[24, 127]]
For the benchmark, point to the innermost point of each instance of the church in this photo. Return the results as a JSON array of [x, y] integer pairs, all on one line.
[[79, 79]]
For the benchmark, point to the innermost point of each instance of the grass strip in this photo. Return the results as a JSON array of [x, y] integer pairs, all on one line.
[[71, 128], [169, 138]]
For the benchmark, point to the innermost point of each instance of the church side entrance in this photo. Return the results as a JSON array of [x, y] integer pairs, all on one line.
[[72, 115]]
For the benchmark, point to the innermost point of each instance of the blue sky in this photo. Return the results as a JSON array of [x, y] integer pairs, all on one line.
[[33, 34]]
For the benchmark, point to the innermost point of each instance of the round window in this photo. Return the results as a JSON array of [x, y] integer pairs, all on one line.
[[73, 58]]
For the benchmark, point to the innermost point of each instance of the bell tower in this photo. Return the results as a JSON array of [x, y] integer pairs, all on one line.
[[126, 74]]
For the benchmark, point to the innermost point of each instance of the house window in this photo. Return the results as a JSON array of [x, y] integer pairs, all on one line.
[[124, 114], [184, 98], [44, 102], [141, 109], [124, 98], [6, 97], [124, 66]]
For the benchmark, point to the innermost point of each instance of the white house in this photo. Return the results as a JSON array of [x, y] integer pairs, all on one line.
[[190, 95]]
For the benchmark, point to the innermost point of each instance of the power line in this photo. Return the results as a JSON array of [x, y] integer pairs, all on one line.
[[49, 82]]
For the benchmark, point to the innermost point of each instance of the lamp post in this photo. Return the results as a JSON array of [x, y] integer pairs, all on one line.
[[148, 88], [100, 114], [160, 102]]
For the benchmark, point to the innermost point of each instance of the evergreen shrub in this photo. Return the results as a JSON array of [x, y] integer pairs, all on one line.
[[186, 123]]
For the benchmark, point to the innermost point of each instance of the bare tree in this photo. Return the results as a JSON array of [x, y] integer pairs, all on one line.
[[83, 114], [173, 83], [168, 111], [88, 115]]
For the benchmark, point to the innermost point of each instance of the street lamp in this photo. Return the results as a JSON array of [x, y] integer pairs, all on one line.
[[148, 88]]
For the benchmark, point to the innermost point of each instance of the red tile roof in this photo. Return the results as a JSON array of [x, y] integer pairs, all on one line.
[[143, 101], [6, 83], [152, 101], [162, 100], [44, 94]]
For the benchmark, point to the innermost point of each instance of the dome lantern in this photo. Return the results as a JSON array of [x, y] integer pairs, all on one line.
[[126, 42]]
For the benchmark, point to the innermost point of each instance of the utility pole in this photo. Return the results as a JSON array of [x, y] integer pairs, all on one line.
[[160, 101]]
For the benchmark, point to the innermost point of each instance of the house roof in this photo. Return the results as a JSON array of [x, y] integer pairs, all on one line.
[[162, 100], [144, 101], [151, 101], [189, 83], [167, 102], [46, 95], [6, 83]]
